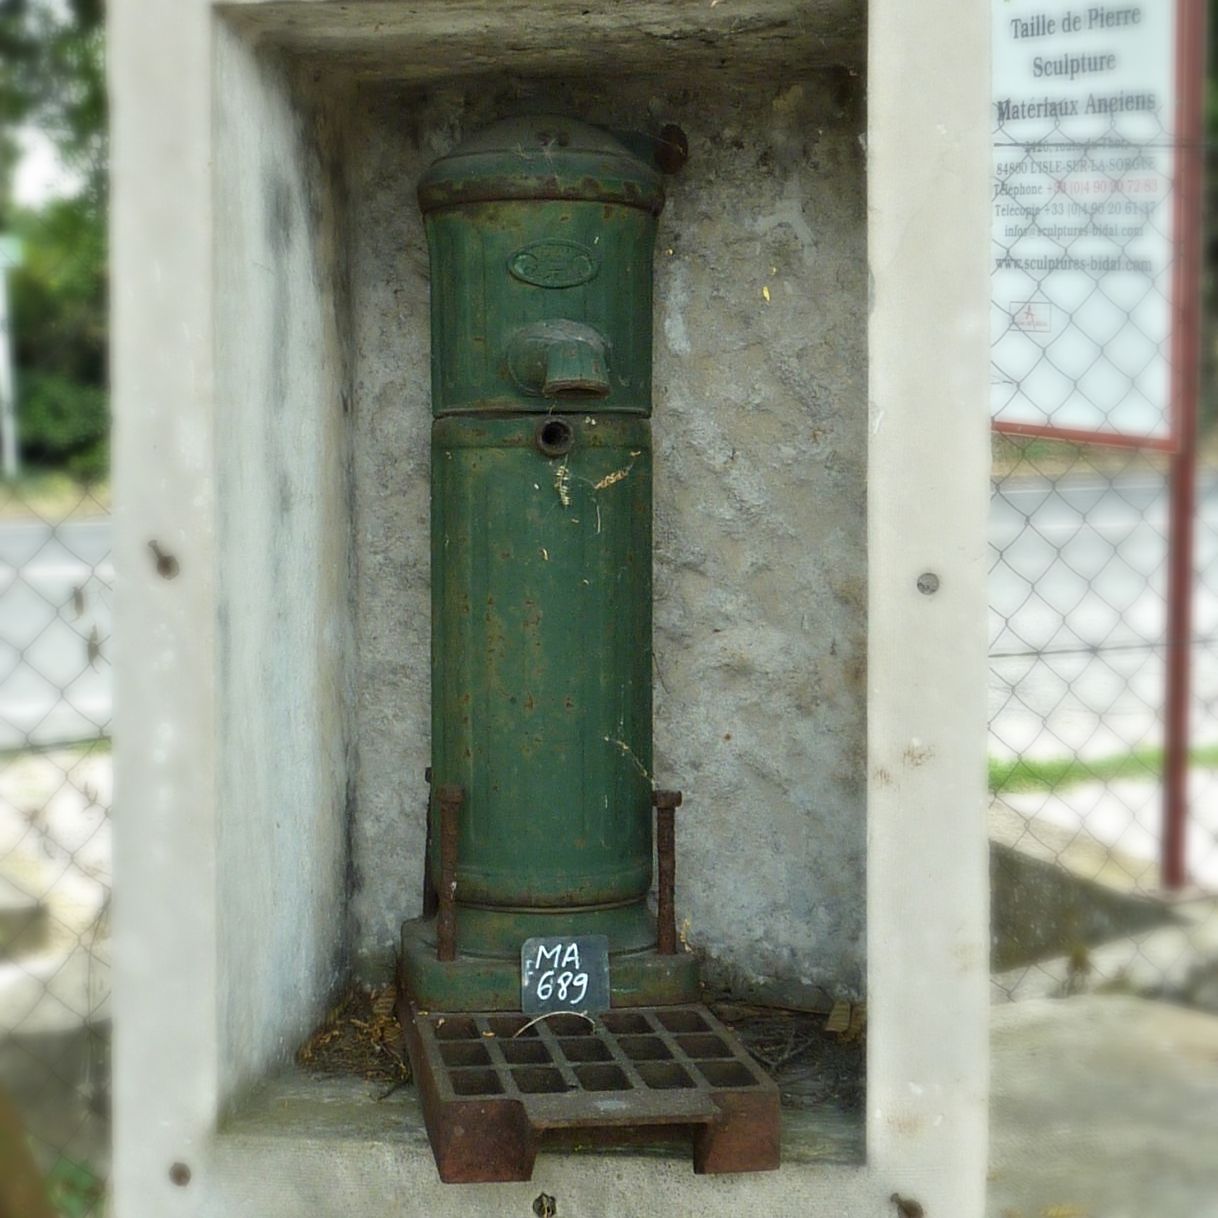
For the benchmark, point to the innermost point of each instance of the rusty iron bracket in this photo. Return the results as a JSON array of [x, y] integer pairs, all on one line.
[[430, 899], [668, 151], [666, 803], [450, 798]]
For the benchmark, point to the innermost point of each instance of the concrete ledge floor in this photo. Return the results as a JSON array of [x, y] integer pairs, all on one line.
[[1103, 1106], [296, 1106], [303, 1145]]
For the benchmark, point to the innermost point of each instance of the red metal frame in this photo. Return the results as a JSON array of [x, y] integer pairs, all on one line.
[[1186, 384]]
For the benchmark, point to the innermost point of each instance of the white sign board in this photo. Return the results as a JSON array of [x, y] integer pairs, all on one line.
[[1083, 113]]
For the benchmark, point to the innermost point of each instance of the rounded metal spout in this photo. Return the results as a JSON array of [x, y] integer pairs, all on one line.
[[575, 369], [559, 359]]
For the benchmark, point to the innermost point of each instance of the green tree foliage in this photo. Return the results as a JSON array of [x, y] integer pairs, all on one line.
[[59, 303], [54, 80]]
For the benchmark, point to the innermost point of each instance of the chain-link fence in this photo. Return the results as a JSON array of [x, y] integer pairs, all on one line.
[[1086, 339], [1203, 842], [55, 788]]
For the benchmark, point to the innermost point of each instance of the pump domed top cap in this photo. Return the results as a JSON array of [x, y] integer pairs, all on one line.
[[542, 157]]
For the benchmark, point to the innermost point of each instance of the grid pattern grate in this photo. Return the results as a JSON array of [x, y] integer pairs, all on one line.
[[496, 1086], [660, 1057]]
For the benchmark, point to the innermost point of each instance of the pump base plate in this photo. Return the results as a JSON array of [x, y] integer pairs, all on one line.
[[492, 983], [498, 1087]]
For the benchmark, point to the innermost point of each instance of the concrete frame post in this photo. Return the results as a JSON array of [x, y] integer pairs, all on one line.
[[204, 956]]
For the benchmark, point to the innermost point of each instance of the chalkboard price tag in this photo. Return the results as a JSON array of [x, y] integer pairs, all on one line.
[[564, 974]]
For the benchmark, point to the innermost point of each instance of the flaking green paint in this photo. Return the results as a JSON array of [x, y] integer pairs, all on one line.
[[541, 663], [541, 234]]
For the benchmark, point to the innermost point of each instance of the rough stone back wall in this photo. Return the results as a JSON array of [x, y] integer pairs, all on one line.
[[760, 433]]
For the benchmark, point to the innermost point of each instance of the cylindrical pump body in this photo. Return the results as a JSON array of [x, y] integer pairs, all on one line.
[[541, 671], [541, 234]]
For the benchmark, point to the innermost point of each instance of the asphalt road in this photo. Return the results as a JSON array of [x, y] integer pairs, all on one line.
[[55, 599], [1076, 621], [1078, 615]]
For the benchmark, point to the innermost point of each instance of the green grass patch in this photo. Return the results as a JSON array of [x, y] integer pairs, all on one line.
[[1035, 457], [1057, 773], [100, 745], [53, 495], [75, 1189]]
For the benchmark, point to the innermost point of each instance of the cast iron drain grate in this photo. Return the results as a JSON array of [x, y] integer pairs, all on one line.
[[492, 1083]]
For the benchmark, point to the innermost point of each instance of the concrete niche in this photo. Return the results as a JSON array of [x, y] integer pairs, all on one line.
[[819, 357]]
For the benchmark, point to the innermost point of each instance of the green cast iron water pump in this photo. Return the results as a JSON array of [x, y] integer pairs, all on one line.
[[541, 233]]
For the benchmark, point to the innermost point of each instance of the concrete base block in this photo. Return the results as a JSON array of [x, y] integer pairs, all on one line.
[[484, 983]]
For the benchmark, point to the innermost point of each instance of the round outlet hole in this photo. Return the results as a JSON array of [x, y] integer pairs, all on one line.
[[555, 437]]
